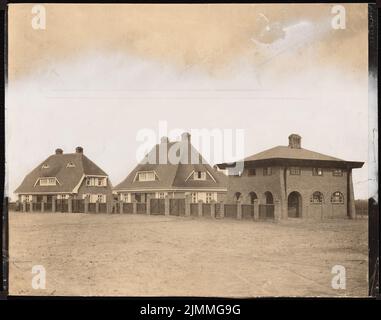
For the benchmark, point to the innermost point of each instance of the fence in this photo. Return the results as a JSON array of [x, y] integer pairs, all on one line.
[[174, 207], [266, 211], [157, 206]]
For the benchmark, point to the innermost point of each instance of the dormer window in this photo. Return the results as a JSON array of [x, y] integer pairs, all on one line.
[[146, 176], [48, 181], [199, 175], [45, 166], [70, 165]]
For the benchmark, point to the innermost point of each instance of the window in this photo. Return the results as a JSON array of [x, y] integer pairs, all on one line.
[[45, 166], [160, 195], [237, 196], [317, 197], [267, 171], [62, 196], [317, 171], [146, 176], [101, 198], [96, 182], [199, 175], [126, 197], [294, 171], [337, 197], [209, 197], [26, 198], [70, 165], [337, 172], [252, 172], [48, 181], [194, 197]]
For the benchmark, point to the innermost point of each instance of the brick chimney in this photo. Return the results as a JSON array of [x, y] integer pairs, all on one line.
[[164, 140], [59, 151], [187, 149], [186, 137], [79, 150], [294, 141]]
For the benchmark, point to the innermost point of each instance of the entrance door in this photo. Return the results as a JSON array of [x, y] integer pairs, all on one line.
[[294, 205]]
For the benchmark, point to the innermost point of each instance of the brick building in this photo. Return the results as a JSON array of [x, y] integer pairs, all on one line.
[[300, 182]]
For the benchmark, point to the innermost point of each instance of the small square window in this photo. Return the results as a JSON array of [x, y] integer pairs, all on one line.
[[267, 171], [317, 171], [337, 172], [294, 171]]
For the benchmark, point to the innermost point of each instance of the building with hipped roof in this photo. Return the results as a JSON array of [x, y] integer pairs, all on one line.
[[304, 183], [64, 176], [175, 170]]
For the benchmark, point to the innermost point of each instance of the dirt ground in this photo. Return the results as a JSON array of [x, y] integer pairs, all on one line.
[[138, 255]]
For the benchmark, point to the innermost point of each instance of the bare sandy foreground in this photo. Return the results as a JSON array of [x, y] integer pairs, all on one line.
[[138, 255]]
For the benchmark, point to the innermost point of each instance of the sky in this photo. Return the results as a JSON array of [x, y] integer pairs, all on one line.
[[97, 75]]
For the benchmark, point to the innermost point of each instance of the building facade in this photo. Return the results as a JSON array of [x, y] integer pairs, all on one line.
[[175, 170], [303, 183], [62, 177]]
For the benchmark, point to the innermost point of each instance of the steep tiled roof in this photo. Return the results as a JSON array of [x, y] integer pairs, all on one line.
[[172, 176], [68, 177]]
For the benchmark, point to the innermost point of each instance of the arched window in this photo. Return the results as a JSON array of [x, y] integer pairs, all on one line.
[[253, 196], [237, 196], [269, 197], [337, 197], [317, 197]]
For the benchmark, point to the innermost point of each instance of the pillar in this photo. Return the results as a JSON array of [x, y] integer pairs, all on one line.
[[134, 206], [277, 210], [239, 210], [54, 198], [24, 206], [148, 204], [187, 205], [120, 206], [351, 198], [97, 207], [213, 209], [166, 203], [70, 205], [199, 207], [31, 206], [222, 210], [86, 204], [42, 206], [256, 209]]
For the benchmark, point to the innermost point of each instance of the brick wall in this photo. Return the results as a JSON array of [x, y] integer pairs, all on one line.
[[280, 183]]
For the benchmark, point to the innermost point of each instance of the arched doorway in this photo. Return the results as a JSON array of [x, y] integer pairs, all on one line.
[[294, 205], [269, 197]]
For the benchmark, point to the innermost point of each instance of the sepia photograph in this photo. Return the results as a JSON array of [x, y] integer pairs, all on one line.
[[190, 150]]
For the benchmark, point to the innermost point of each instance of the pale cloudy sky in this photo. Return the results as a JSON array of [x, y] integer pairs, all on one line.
[[100, 73]]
